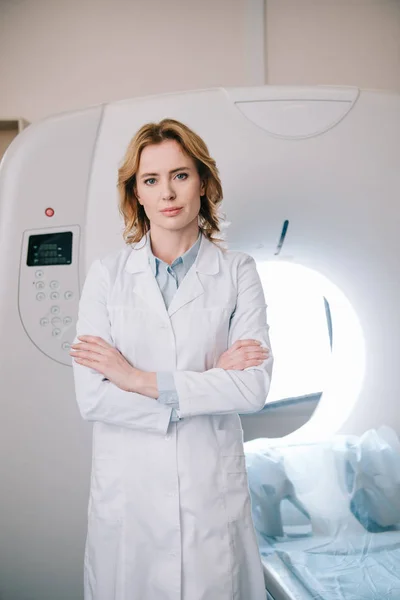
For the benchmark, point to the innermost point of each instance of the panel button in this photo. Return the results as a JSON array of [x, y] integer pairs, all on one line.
[[68, 295], [39, 274], [54, 285], [66, 346], [55, 321], [40, 296], [44, 322], [40, 285], [55, 310], [67, 320], [54, 295], [56, 332]]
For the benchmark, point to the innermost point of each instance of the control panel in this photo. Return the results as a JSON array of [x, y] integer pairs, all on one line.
[[49, 289]]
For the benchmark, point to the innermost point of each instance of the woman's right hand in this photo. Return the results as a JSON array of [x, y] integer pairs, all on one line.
[[243, 354]]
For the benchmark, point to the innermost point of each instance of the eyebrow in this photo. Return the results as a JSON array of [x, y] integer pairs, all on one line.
[[171, 172]]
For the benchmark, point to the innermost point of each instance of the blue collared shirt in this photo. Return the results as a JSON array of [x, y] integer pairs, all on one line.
[[169, 277]]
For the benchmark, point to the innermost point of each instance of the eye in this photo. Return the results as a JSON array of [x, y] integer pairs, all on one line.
[[185, 175], [150, 179]]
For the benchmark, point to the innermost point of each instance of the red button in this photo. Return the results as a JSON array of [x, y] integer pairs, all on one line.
[[49, 212]]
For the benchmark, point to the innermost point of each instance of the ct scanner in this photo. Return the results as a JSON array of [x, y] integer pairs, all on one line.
[[324, 160]]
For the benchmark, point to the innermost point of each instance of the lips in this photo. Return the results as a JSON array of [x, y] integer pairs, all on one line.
[[171, 211]]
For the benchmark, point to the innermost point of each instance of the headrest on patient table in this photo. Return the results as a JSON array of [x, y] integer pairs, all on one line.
[[345, 484], [374, 483], [269, 486]]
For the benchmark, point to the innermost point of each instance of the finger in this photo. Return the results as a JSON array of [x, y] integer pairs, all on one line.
[[93, 339], [91, 347], [247, 342], [256, 349], [253, 363], [255, 355], [244, 343], [88, 363], [90, 356]]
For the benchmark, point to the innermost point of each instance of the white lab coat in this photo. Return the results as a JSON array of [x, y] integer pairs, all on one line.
[[169, 510]]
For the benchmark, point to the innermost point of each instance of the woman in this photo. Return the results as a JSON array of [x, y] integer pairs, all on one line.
[[171, 334]]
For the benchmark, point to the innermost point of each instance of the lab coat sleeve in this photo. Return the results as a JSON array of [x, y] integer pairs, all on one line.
[[167, 389], [98, 399], [167, 392], [220, 391]]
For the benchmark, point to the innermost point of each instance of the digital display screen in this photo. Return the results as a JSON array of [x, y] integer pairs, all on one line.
[[50, 249]]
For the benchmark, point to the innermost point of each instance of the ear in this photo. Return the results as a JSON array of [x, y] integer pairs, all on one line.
[[202, 188]]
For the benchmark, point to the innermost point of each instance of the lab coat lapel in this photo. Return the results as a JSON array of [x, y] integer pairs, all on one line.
[[145, 284], [192, 287]]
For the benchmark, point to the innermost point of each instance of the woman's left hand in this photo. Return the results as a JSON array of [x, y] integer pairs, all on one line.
[[97, 354]]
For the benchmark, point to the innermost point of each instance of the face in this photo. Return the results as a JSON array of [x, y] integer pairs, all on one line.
[[168, 178]]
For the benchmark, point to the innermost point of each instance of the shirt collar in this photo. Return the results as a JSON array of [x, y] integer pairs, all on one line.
[[187, 258]]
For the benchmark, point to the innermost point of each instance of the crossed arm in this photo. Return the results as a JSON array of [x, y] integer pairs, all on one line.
[[97, 354], [110, 389]]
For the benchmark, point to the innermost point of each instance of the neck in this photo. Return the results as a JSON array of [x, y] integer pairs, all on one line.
[[168, 245]]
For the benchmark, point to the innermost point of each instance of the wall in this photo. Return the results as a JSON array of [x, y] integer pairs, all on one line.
[[339, 42], [62, 55]]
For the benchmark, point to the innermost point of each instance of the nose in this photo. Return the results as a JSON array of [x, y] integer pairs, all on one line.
[[167, 192]]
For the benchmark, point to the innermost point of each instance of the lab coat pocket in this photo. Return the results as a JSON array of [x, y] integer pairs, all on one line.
[[234, 475], [230, 442], [209, 328], [128, 329], [106, 493], [106, 490]]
